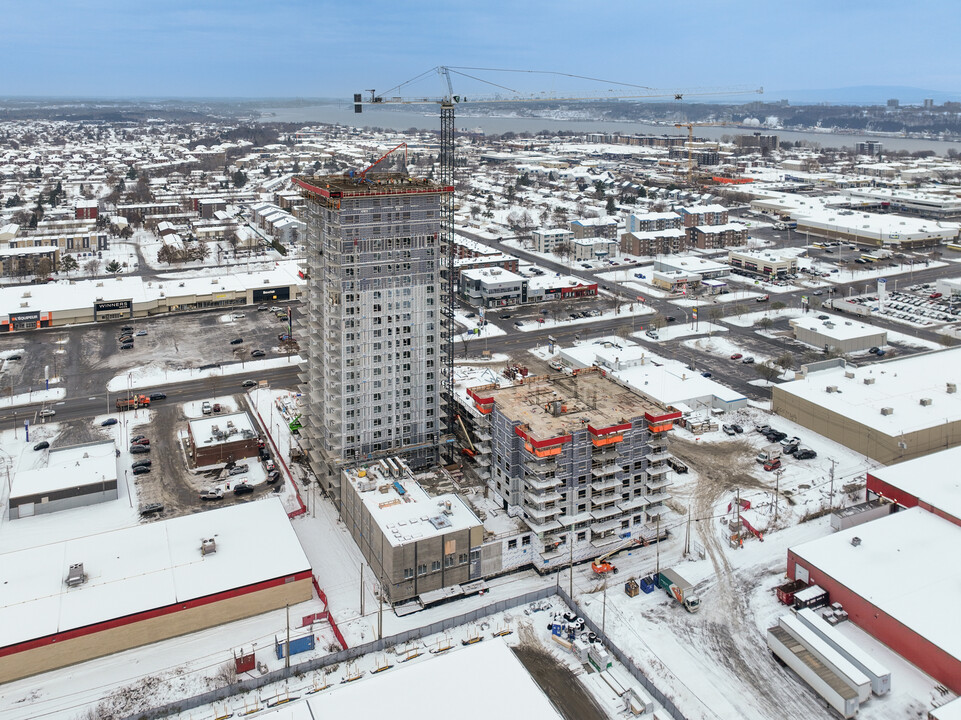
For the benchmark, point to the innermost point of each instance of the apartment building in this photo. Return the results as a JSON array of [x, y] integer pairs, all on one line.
[[650, 222], [712, 237], [546, 240], [372, 336], [655, 242], [594, 227], [703, 215], [581, 458]]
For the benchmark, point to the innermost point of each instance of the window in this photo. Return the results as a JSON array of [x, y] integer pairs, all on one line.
[[422, 569], [435, 565], [526, 540], [582, 535], [449, 560], [408, 573], [511, 544]]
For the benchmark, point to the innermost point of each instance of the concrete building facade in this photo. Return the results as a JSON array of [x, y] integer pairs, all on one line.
[[373, 338], [581, 458]]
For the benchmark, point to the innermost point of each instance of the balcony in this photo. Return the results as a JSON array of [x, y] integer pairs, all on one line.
[[604, 527], [654, 484], [541, 498], [657, 470], [600, 501], [605, 513], [602, 470], [539, 483], [658, 457], [655, 511], [658, 497], [608, 484], [542, 515], [605, 454], [633, 504]]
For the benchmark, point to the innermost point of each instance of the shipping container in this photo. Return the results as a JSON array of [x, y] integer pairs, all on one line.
[[810, 597], [841, 666]]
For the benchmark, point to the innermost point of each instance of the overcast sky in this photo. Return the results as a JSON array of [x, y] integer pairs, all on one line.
[[315, 48]]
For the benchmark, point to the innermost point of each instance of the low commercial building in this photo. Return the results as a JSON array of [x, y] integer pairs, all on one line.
[[68, 302], [675, 281], [495, 260], [492, 287], [705, 267], [889, 411], [413, 542], [873, 229], [545, 241], [846, 336], [766, 263], [73, 477], [219, 439], [930, 482], [655, 242], [66, 602], [581, 458], [948, 286], [892, 578]]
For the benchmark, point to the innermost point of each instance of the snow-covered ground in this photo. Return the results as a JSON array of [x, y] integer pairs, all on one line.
[[151, 375], [749, 319], [679, 330], [627, 312]]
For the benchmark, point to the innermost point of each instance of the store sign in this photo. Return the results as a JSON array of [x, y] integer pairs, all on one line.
[[99, 307]]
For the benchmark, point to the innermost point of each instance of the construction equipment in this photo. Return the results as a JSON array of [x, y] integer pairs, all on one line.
[[447, 164], [295, 425], [690, 144], [471, 451], [601, 565], [134, 402]]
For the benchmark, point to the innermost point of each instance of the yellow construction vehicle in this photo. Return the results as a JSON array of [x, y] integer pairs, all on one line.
[[602, 564]]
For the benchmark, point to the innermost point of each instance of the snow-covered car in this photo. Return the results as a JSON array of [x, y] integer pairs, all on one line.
[[212, 494], [47, 412]]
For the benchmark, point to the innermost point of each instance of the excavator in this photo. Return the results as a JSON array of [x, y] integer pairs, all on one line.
[[602, 565]]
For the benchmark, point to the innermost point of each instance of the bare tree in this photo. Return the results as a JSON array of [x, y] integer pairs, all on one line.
[[767, 372], [92, 267]]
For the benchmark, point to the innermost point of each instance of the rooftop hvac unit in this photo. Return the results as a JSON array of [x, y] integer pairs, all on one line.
[[831, 388], [75, 575], [887, 411], [848, 374], [952, 388], [208, 546], [925, 401], [855, 541], [869, 381]]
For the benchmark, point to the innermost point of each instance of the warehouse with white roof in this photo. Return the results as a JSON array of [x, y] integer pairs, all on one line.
[[896, 579], [889, 411], [66, 602]]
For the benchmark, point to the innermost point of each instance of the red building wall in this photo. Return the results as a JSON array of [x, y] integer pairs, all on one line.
[[902, 640], [904, 498]]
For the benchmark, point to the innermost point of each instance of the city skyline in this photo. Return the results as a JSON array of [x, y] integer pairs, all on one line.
[[107, 49]]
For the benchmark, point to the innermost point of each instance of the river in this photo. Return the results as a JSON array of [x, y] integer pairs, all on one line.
[[429, 120]]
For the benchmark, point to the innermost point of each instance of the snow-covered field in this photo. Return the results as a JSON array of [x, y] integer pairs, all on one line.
[[679, 330], [150, 375]]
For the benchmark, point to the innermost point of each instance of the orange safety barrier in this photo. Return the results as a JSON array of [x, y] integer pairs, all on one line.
[[601, 442], [663, 427]]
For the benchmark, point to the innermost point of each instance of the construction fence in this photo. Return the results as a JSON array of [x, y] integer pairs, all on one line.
[[250, 684]]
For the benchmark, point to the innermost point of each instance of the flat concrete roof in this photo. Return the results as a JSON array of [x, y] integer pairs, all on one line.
[[932, 478], [69, 467], [411, 515], [590, 399], [837, 328], [899, 384], [219, 429], [145, 567], [903, 566]]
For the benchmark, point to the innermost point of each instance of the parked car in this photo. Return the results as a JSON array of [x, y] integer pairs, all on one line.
[[127, 346], [790, 441], [748, 360], [139, 449], [504, 316], [236, 341], [108, 421], [651, 334], [212, 494], [273, 476], [728, 430], [805, 454], [237, 470], [152, 508], [236, 316], [763, 298], [824, 317], [142, 463], [248, 383], [206, 408], [14, 357], [243, 489], [934, 295], [261, 308], [763, 429], [47, 412], [705, 374], [42, 445], [736, 356], [141, 470], [790, 448], [140, 333], [737, 428], [670, 318], [127, 328], [776, 436], [772, 464], [158, 396], [874, 350], [257, 353], [135, 438]]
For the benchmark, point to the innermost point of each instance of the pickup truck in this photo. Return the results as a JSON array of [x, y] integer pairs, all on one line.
[[206, 408]]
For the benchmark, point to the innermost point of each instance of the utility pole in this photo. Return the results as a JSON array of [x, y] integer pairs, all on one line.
[[831, 499], [657, 554], [604, 609], [362, 589], [777, 490], [380, 611], [687, 535], [287, 650], [570, 588]]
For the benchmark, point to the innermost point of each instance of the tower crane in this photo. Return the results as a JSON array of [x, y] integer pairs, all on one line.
[[447, 102], [690, 142]]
